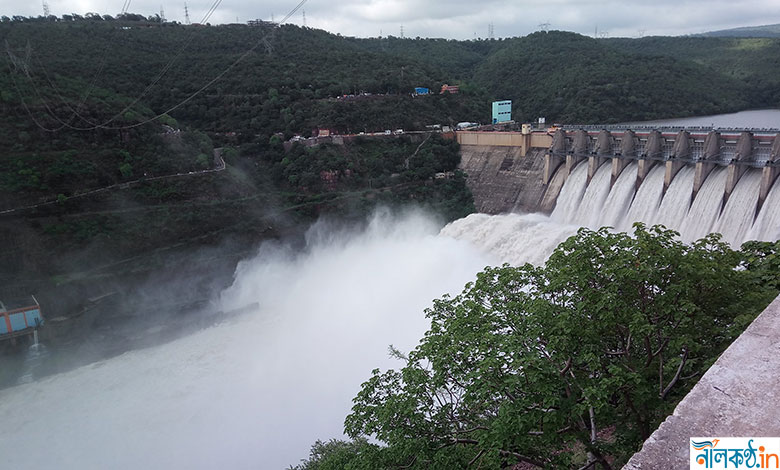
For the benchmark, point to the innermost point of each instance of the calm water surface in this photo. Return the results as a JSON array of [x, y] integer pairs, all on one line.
[[758, 118]]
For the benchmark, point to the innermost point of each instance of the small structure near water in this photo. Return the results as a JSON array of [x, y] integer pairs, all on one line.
[[19, 319]]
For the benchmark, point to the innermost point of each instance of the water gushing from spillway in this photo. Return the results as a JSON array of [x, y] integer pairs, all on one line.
[[704, 211], [650, 193], [767, 224], [619, 199], [594, 199], [566, 208], [512, 238], [676, 202], [596, 204], [736, 219]]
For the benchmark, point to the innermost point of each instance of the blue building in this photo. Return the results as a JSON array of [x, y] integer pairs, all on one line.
[[502, 111], [421, 91], [19, 319]]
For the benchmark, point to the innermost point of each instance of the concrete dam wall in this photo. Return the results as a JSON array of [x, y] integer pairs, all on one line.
[[506, 171], [502, 180], [736, 151], [694, 181]]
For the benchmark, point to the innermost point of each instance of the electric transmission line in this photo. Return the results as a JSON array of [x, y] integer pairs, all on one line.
[[125, 7], [189, 98], [104, 125]]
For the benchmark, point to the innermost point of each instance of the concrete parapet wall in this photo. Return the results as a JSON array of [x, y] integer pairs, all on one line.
[[541, 140], [496, 139], [505, 139]]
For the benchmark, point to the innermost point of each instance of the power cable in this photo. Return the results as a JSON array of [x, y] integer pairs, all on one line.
[[204, 87], [74, 112], [125, 7], [215, 79], [104, 125], [162, 73], [93, 82]]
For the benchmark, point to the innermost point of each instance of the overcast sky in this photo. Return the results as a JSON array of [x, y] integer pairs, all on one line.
[[455, 19]]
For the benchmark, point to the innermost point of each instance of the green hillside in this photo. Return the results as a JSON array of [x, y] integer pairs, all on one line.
[[763, 31], [571, 78], [125, 105], [754, 62]]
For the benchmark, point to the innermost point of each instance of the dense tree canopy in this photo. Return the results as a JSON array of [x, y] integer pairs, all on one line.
[[557, 366], [290, 79]]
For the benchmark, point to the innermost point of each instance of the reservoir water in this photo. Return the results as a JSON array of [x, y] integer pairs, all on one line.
[[757, 119]]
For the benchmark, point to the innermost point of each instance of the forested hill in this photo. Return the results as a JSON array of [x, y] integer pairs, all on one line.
[[763, 31], [126, 104], [753, 61], [289, 81]]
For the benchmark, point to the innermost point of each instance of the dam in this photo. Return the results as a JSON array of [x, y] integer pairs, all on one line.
[[696, 180]]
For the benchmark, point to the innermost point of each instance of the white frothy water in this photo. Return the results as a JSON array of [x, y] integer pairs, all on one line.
[[596, 204], [706, 207], [676, 202], [35, 356], [512, 238], [737, 218], [615, 207], [595, 197], [257, 390], [644, 207], [571, 194], [767, 224]]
